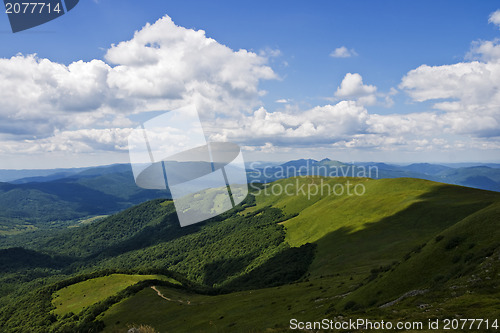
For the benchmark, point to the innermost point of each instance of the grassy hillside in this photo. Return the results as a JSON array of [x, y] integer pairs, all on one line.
[[401, 248], [445, 260], [247, 311], [52, 199], [404, 235], [74, 298], [393, 217]]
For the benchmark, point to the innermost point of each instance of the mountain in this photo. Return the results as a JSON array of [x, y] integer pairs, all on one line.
[[58, 198], [299, 163], [13, 175], [76, 173], [306, 248], [426, 168], [478, 176], [48, 203]]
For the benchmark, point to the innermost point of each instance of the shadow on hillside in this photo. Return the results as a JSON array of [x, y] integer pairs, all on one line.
[[168, 230], [218, 271], [14, 259], [287, 266], [391, 238]]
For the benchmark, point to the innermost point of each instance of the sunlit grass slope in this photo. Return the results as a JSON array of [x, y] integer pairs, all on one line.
[[360, 231], [76, 297], [402, 235]]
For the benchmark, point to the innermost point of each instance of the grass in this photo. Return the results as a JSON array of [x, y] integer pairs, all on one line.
[[401, 235], [92, 219], [247, 311], [354, 233], [76, 297], [271, 309], [437, 264]]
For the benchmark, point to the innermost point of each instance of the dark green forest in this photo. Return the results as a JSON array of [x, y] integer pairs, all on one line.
[[217, 256]]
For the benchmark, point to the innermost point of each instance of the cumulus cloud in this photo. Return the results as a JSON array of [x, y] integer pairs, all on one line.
[[319, 125], [39, 95], [85, 106], [343, 52], [77, 141], [495, 18], [353, 88], [467, 93], [486, 51], [167, 61], [465, 111], [162, 67]]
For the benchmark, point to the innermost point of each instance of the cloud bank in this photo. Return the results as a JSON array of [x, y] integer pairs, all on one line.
[[85, 107]]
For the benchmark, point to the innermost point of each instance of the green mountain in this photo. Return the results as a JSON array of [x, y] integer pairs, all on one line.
[[27, 205], [486, 177], [51, 199], [306, 248]]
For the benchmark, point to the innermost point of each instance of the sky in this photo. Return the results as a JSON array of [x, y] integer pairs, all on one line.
[[388, 81]]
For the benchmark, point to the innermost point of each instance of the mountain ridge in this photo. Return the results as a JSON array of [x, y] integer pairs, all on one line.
[[316, 255]]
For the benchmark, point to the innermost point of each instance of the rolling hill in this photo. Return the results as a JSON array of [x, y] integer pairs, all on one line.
[[49, 199], [45, 203], [406, 249]]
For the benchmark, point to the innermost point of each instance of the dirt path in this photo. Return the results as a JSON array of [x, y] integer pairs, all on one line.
[[402, 297], [169, 299]]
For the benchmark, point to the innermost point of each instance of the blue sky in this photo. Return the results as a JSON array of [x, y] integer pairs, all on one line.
[[386, 39]]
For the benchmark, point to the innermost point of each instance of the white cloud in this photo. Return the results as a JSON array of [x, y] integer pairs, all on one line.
[[170, 62], [495, 18], [465, 115], [83, 107], [468, 93], [162, 67], [39, 96], [322, 124], [77, 141], [485, 51], [352, 88], [343, 52]]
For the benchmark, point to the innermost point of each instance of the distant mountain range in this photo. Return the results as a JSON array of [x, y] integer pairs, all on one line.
[[486, 177], [41, 199], [52, 200]]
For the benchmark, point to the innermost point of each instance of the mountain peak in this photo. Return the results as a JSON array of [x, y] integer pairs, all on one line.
[[301, 162]]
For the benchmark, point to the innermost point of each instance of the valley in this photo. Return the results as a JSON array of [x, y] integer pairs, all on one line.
[[407, 249]]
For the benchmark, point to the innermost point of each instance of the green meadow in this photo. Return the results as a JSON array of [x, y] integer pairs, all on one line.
[[76, 297]]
